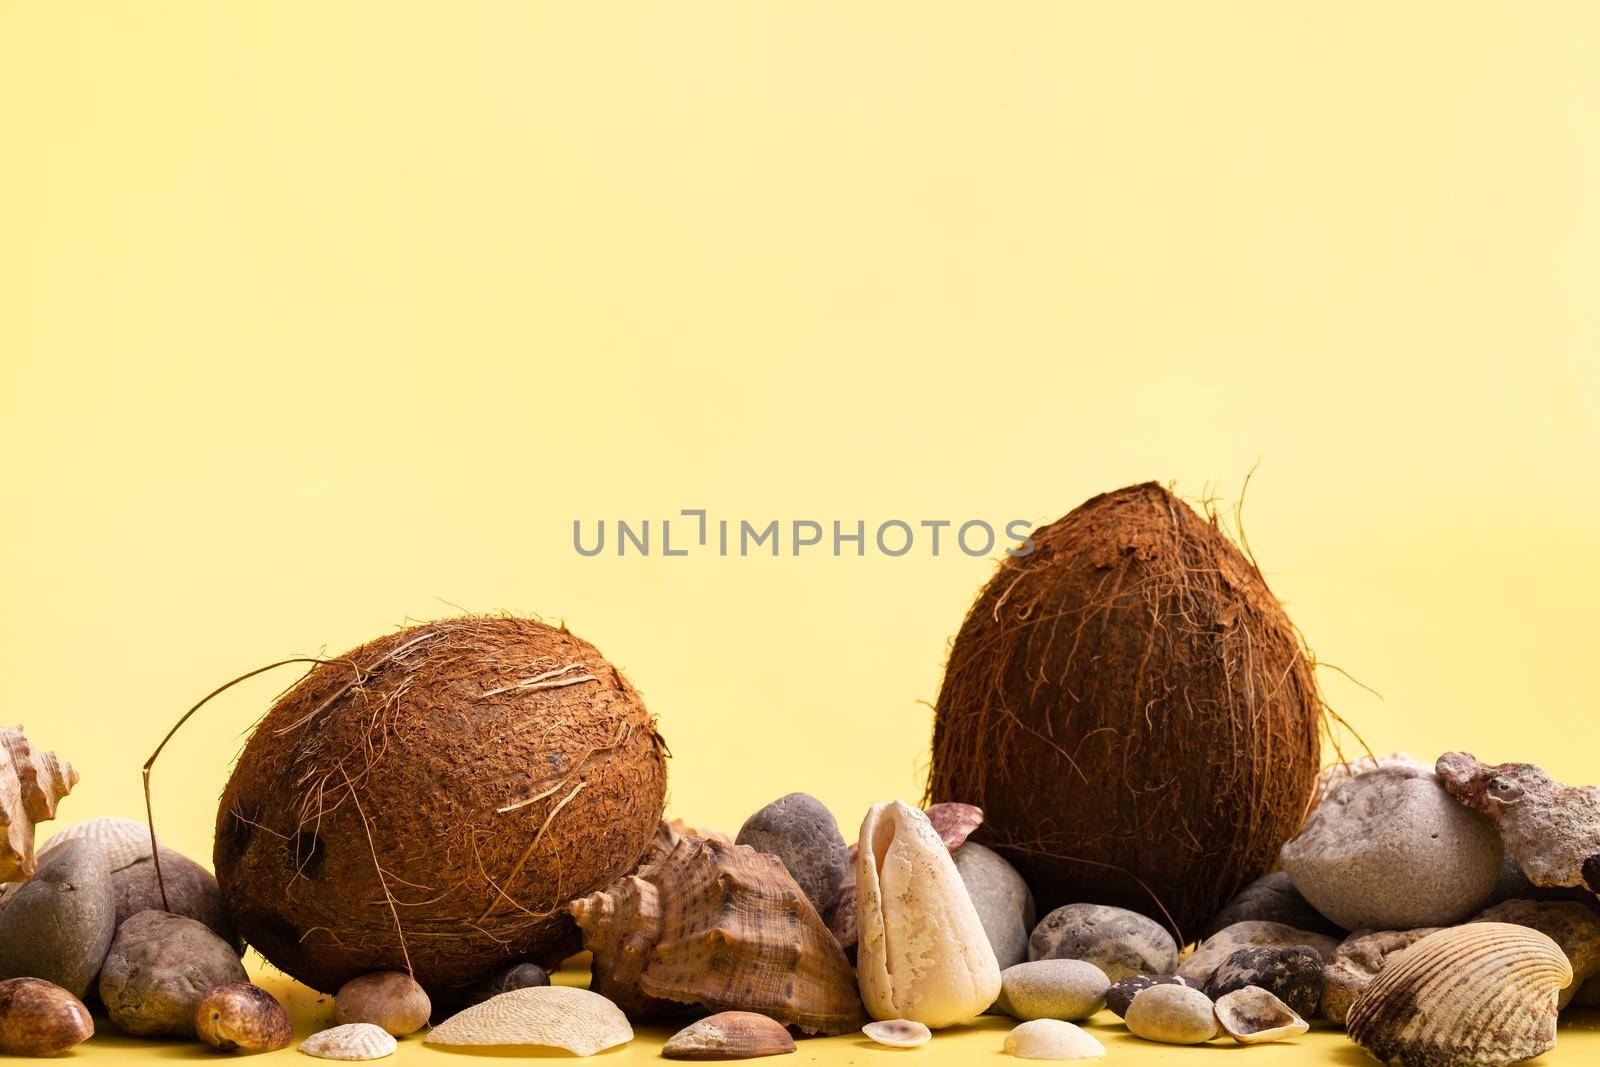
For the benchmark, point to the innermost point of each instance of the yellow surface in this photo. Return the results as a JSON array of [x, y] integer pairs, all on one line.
[[315, 317]]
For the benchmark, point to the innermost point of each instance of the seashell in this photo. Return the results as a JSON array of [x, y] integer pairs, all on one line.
[[352, 1041], [1482, 994], [1253, 1016], [1052, 1039], [722, 926], [124, 841], [954, 822], [32, 783], [923, 953], [39, 1018], [552, 1016], [729, 1035], [898, 1033], [1572, 926], [1172, 1015], [238, 1015], [390, 999], [683, 829], [1357, 961]]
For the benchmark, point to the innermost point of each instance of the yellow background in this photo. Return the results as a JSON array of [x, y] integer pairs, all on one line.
[[316, 317]]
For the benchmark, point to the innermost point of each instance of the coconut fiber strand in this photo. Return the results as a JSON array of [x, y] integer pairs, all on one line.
[[432, 800], [1133, 711]]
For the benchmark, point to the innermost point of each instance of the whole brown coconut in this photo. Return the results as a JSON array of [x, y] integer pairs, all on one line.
[[1132, 710], [430, 802]]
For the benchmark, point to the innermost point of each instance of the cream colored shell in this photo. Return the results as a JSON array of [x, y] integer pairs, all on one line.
[[1483, 994], [729, 1035], [898, 1033], [352, 1041], [553, 1016], [1254, 1016], [1052, 1039], [923, 954], [124, 841]]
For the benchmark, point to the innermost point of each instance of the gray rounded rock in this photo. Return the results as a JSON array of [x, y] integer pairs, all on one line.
[[1118, 941], [1391, 850], [802, 833], [1293, 974], [1272, 898], [1123, 990], [1173, 1015], [191, 892], [159, 967], [1002, 899], [58, 924], [1053, 989]]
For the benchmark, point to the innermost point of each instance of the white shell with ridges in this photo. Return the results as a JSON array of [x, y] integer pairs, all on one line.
[[124, 841], [352, 1041], [554, 1016]]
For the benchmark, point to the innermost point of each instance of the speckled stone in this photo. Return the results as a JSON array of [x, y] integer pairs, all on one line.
[[58, 924], [159, 968], [802, 833], [1003, 900], [1053, 989], [1173, 1015], [1222, 944], [1272, 898], [1391, 850], [1292, 974], [1118, 941], [1123, 990]]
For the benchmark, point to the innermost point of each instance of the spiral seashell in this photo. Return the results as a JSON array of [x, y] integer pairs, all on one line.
[[124, 841], [32, 783], [352, 1041], [1480, 995]]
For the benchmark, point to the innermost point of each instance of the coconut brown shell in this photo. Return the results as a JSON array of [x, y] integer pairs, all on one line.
[[431, 800], [1132, 710]]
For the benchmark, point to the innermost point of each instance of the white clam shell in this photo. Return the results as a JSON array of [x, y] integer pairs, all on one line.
[[923, 954], [898, 1033], [1052, 1039], [1254, 1016], [124, 841], [555, 1016], [352, 1041]]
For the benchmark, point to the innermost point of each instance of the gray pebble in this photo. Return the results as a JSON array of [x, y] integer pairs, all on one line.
[[1002, 899], [58, 924], [1053, 989], [1173, 1015], [1292, 974], [1118, 941], [1274, 898], [191, 892], [802, 833], [159, 967], [516, 976], [1123, 990]]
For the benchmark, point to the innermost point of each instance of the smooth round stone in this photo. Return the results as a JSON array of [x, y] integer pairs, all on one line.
[[802, 833], [1002, 899], [1118, 941], [58, 924], [1293, 975], [159, 968], [1391, 850], [1173, 1015], [1272, 898], [1053, 989], [191, 892], [1123, 990]]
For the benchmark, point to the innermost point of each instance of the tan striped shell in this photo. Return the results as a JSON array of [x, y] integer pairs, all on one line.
[[1479, 995], [124, 841]]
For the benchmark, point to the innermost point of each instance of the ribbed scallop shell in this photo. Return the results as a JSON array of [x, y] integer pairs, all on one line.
[[722, 926], [124, 841], [551, 1016], [1482, 995], [352, 1041]]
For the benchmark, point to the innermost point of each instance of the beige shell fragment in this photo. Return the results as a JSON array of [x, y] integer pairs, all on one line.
[[1254, 1016], [898, 1033], [352, 1041], [729, 1035], [923, 954], [124, 841], [554, 1016], [1482, 994], [32, 783], [1052, 1039]]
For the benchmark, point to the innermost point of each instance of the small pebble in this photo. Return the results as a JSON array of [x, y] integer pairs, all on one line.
[[1051, 1039], [391, 1000], [1123, 990], [1118, 941], [801, 832], [237, 1015], [898, 1033], [1292, 974], [39, 1018], [1172, 1015], [1053, 989]]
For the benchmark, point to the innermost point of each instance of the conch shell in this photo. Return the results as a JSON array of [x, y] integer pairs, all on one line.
[[722, 926], [1482, 994], [32, 783], [923, 954]]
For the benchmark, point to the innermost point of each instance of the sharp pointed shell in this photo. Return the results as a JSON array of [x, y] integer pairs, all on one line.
[[1482, 994], [1052, 1039], [898, 1033], [553, 1016], [729, 1035], [352, 1041], [124, 841], [1254, 1016]]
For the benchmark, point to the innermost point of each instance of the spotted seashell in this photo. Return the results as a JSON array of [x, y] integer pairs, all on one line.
[[1483, 995], [549, 1016], [898, 1033], [352, 1041], [124, 841]]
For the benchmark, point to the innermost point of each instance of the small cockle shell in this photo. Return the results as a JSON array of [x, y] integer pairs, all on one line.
[[1052, 1039], [898, 1033], [553, 1016], [238, 1015], [1253, 1016], [39, 1018], [1482, 994], [721, 926], [923, 953], [729, 1035], [124, 841], [352, 1041]]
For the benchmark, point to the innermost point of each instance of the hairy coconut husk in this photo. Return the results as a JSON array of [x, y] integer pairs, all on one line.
[[1132, 710], [430, 801]]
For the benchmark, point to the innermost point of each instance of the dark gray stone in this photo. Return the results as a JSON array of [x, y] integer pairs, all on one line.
[[802, 833], [58, 924], [159, 967], [1293, 974], [1272, 898], [1118, 941]]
